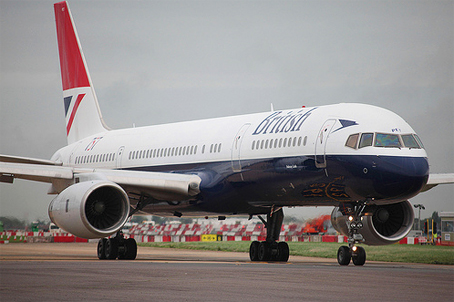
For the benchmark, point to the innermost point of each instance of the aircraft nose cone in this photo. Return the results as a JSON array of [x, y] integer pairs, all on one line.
[[400, 177]]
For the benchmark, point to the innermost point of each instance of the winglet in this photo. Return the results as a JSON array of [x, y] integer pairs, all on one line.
[[83, 116]]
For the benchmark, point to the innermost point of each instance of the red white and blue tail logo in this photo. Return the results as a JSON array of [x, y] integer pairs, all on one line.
[[83, 117]]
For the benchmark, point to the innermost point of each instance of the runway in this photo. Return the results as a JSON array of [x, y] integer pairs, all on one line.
[[72, 272]]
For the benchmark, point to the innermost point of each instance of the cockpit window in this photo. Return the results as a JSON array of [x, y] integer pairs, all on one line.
[[366, 140], [410, 141], [419, 141], [352, 140], [387, 140], [384, 140]]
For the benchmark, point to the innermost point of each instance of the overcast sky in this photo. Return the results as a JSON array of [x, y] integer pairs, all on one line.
[[156, 62]]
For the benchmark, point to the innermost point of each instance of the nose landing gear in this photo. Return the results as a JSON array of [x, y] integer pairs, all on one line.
[[271, 249], [352, 252]]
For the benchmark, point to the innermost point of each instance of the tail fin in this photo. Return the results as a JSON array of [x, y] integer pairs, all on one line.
[[83, 116]]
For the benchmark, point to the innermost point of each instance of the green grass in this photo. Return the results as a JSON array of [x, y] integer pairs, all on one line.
[[13, 239], [390, 253]]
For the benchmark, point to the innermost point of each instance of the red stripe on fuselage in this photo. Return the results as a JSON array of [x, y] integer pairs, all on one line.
[[73, 112]]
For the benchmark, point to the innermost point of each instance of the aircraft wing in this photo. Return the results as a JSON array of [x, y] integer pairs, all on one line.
[[27, 160], [163, 186], [438, 179]]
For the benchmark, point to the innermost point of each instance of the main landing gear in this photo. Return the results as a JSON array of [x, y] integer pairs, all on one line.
[[352, 252], [117, 247], [270, 250]]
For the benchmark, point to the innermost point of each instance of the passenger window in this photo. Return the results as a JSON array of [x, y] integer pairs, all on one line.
[[410, 141], [219, 147], [366, 140], [352, 140], [253, 145], [387, 140]]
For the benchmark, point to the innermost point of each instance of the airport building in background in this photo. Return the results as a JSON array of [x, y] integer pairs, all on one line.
[[447, 228]]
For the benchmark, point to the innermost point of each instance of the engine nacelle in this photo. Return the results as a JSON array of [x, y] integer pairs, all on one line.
[[382, 224], [90, 209]]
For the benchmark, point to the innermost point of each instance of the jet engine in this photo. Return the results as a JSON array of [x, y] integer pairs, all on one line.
[[381, 224], [90, 209]]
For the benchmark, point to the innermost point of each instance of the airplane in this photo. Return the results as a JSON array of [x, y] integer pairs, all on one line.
[[364, 161]]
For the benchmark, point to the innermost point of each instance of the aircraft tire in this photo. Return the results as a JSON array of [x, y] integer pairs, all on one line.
[[360, 257], [102, 249], [283, 251], [131, 249], [344, 255], [111, 251], [264, 252], [254, 251]]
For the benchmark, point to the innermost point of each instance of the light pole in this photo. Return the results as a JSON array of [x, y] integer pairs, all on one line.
[[420, 206]]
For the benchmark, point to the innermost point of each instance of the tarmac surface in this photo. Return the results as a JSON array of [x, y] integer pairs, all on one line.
[[72, 272]]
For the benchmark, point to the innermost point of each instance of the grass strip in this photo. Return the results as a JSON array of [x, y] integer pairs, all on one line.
[[390, 253]]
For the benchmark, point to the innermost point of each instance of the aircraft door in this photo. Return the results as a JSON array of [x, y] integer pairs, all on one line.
[[119, 156], [320, 143], [236, 148]]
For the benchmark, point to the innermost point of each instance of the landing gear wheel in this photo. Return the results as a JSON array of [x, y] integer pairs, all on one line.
[[131, 249], [359, 257], [254, 251], [111, 250], [271, 249], [102, 248], [344, 255], [283, 251], [264, 253]]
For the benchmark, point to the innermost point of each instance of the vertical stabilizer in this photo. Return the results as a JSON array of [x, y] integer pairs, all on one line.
[[83, 116]]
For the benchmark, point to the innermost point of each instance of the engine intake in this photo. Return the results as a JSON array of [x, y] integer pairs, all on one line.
[[90, 209], [382, 224]]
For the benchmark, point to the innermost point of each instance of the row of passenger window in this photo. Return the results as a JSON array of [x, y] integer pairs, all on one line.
[[95, 158], [169, 152], [384, 140], [279, 143]]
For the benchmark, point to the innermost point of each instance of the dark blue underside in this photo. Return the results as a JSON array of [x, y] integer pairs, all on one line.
[[296, 181]]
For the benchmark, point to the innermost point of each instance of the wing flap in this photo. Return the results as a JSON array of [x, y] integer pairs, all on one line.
[[27, 160], [42, 173]]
